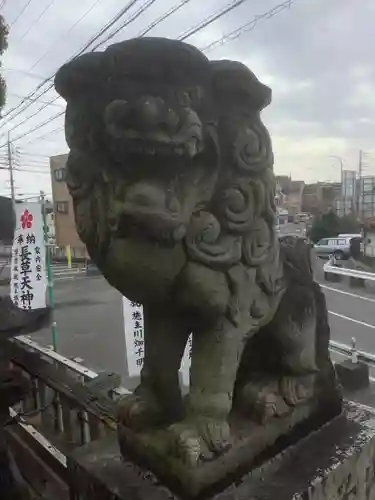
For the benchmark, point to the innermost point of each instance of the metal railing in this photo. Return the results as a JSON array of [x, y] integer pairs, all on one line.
[[69, 403], [351, 273], [352, 352], [333, 268]]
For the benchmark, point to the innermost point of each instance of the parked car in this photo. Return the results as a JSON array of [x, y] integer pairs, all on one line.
[[339, 247]]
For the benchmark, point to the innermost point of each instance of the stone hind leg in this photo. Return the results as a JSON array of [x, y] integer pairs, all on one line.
[[288, 381], [157, 400]]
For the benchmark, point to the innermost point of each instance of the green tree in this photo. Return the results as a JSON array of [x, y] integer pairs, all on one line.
[[350, 225], [328, 225], [324, 226], [4, 31]]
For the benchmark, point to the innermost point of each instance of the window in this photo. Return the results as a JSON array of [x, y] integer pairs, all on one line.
[[62, 207], [332, 243], [322, 242], [59, 174]]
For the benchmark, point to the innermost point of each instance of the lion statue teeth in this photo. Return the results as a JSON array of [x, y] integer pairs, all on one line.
[[171, 174]]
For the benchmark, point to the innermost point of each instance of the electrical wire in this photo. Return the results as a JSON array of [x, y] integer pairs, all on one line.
[[40, 125], [163, 17], [64, 35], [20, 13], [43, 136], [233, 35], [203, 24], [34, 23], [49, 103], [109, 25], [210, 19], [132, 18], [24, 72]]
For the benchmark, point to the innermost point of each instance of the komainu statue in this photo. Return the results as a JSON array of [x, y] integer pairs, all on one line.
[[171, 174]]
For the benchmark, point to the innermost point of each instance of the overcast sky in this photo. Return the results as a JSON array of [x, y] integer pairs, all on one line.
[[316, 55]]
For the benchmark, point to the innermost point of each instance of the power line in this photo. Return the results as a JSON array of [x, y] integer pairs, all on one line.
[[24, 72], [118, 16], [63, 36], [49, 103], [210, 19], [233, 35], [34, 23], [163, 17], [21, 136], [206, 22], [20, 13], [43, 136], [44, 106], [132, 18]]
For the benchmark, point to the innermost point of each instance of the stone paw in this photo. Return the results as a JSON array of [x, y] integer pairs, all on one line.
[[297, 390], [199, 439], [140, 411], [263, 401]]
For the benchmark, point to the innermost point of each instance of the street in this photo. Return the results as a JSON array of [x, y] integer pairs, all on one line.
[[90, 324]]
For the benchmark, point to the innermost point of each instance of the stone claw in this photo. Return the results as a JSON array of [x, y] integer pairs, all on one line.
[[140, 411], [199, 439]]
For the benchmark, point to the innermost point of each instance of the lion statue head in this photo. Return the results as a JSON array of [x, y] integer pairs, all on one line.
[[169, 164]]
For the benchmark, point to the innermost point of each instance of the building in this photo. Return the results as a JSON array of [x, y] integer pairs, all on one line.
[[366, 200], [64, 224], [293, 200], [288, 195], [321, 197], [347, 204]]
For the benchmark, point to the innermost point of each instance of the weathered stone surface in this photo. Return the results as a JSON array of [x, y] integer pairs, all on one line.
[[171, 173], [335, 462]]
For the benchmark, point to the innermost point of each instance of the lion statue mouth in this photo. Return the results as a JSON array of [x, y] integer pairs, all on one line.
[[150, 139], [149, 127]]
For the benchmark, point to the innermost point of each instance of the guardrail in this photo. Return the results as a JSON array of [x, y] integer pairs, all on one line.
[[352, 352], [69, 405], [352, 273]]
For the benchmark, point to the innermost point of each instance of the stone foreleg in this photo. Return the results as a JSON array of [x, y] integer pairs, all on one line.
[[157, 400]]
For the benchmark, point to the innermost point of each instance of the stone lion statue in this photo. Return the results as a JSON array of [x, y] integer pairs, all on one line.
[[171, 174]]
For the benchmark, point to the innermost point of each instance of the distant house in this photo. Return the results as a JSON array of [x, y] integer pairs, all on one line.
[[293, 202], [320, 197]]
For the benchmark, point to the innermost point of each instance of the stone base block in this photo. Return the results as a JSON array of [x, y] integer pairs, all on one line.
[[353, 376], [336, 462], [334, 278], [356, 283]]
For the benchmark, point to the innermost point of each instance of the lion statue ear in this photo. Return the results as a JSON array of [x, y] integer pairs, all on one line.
[[234, 81], [80, 76]]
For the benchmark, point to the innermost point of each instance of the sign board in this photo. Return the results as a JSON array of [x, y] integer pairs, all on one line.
[[135, 344], [28, 282]]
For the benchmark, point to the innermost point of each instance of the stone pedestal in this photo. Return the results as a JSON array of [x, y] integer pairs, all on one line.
[[353, 376], [336, 462]]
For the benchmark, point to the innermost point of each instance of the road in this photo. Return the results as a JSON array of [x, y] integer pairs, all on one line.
[[90, 324]]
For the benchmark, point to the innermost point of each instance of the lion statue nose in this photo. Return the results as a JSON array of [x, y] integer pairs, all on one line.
[[144, 115]]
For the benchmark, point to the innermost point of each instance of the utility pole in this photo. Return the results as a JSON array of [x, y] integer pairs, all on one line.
[[360, 194], [11, 177]]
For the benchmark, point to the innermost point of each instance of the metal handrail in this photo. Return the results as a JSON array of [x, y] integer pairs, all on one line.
[[345, 350], [36, 433], [352, 273]]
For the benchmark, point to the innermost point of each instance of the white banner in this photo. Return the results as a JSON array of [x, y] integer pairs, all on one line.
[[28, 269], [135, 344]]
